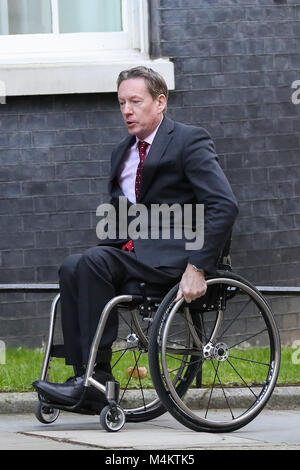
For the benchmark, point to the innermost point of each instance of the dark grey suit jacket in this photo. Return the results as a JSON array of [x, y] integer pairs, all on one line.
[[181, 167]]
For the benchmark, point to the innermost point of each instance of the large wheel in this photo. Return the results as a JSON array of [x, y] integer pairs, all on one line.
[[233, 341]]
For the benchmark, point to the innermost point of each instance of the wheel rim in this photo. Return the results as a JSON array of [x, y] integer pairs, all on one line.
[[48, 414], [224, 353], [115, 425]]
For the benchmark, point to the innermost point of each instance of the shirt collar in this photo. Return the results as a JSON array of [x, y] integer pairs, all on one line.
[[150, 137]]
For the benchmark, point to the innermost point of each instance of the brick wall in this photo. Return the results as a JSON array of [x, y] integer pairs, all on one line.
[[235, 62]]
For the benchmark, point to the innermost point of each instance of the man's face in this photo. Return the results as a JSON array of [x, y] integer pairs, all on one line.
[[141, 113]]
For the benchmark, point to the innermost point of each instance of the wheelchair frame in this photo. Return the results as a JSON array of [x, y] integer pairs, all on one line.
[[112, 416], [47, 412]]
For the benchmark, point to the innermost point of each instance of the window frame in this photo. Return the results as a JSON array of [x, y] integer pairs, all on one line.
[[19, 47], [78, 62]]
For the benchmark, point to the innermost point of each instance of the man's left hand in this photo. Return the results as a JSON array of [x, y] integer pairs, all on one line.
[[192, 285]]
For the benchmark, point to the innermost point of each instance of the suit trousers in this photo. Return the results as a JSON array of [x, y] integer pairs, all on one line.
[[87, 282]]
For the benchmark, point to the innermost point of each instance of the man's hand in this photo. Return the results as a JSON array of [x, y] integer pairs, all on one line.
[[192, 285]]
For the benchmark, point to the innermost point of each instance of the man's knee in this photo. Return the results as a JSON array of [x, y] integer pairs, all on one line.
[[96, 255], [69, 265]]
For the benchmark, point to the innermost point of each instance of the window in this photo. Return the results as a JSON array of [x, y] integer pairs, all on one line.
[[72, 46], [59, 16]]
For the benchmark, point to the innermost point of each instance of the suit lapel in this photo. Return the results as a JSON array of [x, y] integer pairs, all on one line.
[[158, 147], [117, 156]]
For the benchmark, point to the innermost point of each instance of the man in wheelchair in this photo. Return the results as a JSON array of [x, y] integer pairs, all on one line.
[[160, 162]]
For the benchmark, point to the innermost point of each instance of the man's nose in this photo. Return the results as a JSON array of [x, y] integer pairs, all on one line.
[[127, 109]]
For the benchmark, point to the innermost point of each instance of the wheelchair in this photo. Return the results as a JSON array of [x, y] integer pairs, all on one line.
[[213, 362]]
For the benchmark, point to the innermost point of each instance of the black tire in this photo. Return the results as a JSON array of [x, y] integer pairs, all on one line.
[[235, 301], [107, 420], [46, 414]]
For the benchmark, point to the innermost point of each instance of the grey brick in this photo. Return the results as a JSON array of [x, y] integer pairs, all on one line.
[[202, 97], [76, 170], [75, 237], [45, 204], [15, 139], [44, 256], [16, 240], [24, 172], [74, 120], [170, 3], [177, 16], [17, 275], [81, 186], [43, 138], [16, 206], [43, 188], [45, 222], [80, 220], [46, 239], [10, 157], [9, 123], [105, 119], [282, 142], [176, 32], [47, 274], [12, 259], [10, 223], [83, 202], [207, 65], [29, 122]]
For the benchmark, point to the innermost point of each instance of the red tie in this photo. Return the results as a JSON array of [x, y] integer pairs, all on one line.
[[142, 148]]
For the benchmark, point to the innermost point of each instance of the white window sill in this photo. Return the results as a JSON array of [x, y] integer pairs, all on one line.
[[88, 73]]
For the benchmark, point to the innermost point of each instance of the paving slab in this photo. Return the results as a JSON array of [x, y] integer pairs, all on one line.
[[271, 430]]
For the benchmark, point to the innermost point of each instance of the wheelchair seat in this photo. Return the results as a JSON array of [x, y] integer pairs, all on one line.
[[142, 290]]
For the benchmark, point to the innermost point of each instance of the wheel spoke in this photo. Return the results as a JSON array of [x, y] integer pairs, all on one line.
[[245, 340], [250, 360], [248, 386], [211, 391], [141, 385], [234, 319]]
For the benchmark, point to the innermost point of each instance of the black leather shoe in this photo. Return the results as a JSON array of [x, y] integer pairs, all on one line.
[[70, 392], [67, 393]]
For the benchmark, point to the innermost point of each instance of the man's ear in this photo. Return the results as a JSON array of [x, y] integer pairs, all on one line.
[[162, 103]]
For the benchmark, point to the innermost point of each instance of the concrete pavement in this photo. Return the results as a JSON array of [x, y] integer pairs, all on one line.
[[277, 427], [271, 430]]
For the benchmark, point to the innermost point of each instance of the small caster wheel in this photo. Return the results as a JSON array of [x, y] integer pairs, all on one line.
[[112, 418], [46, 414]]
